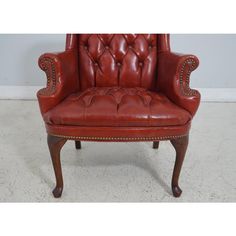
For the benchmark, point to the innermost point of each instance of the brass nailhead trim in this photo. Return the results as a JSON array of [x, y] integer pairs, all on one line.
[[120, 138], [47, 64], [186, 90]]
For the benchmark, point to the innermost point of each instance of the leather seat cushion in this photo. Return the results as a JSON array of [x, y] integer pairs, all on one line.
[[116, 106]]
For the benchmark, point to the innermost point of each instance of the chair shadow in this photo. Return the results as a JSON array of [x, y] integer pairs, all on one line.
[[35, 165], [93, 156]]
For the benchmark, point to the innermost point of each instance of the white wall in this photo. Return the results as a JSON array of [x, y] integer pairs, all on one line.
[[19, 55], [217, 54]]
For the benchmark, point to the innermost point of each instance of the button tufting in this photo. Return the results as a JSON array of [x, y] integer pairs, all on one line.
[[117, 55]]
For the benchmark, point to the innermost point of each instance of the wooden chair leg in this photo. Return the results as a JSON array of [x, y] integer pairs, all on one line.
[[155, 145], [180, 145], [55, 144], [77, 144]]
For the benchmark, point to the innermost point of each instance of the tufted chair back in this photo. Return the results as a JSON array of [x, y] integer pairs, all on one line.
[[125, 60]]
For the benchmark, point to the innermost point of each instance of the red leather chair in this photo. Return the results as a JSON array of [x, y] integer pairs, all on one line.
[[118, 88]]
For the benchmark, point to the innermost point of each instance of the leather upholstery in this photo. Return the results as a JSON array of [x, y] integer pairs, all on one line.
[[116, 106], [119, 134], [62, 78], [173, 79], [118, 86], [126, 60]]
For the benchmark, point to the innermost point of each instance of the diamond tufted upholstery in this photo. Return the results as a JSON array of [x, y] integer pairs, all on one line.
[[117, 80], [126, 60], [117, 106], [118, 88]]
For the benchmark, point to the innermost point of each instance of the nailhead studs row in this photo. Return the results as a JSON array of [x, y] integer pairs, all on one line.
[[120, 138], [47, 65], [186, 90]]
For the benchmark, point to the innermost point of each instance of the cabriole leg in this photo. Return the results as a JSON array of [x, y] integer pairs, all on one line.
[[180, 145], [155, 144], [77, 144], [55, 144]]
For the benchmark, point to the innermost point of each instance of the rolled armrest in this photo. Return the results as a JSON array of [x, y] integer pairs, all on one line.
[[173, 79], [62, 78]]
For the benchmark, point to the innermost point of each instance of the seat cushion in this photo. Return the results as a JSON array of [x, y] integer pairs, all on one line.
[[116, 106]]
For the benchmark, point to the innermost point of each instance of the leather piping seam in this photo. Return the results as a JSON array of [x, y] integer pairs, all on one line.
[[120, 138]]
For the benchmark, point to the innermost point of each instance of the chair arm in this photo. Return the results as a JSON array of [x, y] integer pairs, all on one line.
[[62, 78], [173, 79]]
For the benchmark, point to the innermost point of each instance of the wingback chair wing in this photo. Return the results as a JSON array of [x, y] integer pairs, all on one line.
[[117, 88]]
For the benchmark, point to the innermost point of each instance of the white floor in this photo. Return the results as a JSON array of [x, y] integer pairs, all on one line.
[[117, 172]]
